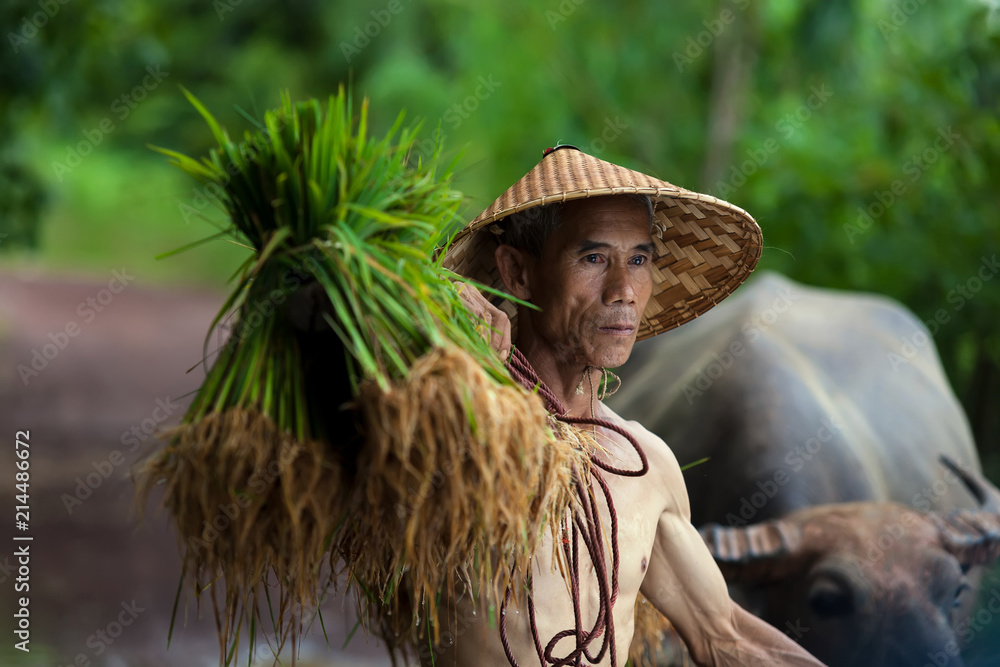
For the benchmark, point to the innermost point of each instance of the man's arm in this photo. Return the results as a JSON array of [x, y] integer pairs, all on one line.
[[685, 584]]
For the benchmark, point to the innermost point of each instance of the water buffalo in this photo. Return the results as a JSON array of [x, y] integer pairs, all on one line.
[[823, 416]]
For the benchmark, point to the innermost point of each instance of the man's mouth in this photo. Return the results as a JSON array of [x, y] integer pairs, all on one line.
[[617, 329]]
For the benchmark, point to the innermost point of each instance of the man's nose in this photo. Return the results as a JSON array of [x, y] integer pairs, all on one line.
[[618, 287]]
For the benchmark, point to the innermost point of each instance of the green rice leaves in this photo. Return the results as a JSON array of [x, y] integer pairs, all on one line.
[[397, 450], [322, 202]]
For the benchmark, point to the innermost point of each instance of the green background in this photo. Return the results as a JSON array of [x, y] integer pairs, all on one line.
[[804, 113]]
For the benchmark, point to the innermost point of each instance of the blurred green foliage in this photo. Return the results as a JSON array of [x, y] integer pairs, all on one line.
[[863, 134]]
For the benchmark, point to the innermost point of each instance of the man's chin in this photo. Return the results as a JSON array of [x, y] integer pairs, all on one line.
[[613, 356]]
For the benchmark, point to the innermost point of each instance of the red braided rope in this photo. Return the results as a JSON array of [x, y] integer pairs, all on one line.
[[585, 527]]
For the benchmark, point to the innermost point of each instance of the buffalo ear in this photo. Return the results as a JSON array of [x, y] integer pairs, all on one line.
[[756, 554]]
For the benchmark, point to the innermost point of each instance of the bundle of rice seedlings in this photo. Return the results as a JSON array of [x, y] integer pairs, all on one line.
[[373, 436]]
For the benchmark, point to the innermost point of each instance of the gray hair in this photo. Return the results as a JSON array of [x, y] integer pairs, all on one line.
[[528, 230]]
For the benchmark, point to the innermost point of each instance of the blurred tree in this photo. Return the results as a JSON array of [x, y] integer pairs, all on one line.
[[882, 176]]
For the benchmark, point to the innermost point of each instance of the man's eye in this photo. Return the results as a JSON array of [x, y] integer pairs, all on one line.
[[639, 260], [593, 259]]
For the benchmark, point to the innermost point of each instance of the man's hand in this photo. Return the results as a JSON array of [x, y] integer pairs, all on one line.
[[496, 325]]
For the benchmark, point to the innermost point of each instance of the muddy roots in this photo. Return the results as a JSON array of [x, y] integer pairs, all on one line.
[[457, 478], [457, 474]]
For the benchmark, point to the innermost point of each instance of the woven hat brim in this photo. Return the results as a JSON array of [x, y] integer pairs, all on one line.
[[704, 247]]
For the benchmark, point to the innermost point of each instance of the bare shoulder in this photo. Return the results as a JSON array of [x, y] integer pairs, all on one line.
[[654, 446], [664, 470]]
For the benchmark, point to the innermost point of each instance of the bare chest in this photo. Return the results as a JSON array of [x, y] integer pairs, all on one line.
[[599, 554]]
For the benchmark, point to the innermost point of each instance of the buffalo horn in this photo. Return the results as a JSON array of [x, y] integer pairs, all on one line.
[[973, 536], [985, 492], [745, 553]]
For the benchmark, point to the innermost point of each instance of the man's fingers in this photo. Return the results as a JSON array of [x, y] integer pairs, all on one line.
[[505, 341], [495, 325], [500, 333], [501, 340]]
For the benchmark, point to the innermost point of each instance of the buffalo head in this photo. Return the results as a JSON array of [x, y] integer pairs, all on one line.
[[868, 583]]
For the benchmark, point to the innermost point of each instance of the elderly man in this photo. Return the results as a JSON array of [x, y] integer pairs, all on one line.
[[606, 255]]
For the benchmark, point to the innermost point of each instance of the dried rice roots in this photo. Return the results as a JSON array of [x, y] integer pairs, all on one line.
[[455, 474]]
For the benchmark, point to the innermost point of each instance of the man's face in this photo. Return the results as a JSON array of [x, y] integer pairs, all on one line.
[[593, 281]]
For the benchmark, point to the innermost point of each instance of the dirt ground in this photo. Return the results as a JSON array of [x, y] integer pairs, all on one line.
[[82, 364]]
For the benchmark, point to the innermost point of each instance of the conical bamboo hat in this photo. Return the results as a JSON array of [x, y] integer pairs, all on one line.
[[705, 247]]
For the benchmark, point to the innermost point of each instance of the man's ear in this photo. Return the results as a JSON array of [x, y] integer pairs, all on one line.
[[514, 266]]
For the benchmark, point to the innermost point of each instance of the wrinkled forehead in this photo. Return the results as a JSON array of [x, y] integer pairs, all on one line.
[[616, 221]]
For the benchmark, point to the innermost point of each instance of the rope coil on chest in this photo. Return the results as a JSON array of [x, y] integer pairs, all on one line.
[[585, 527]]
